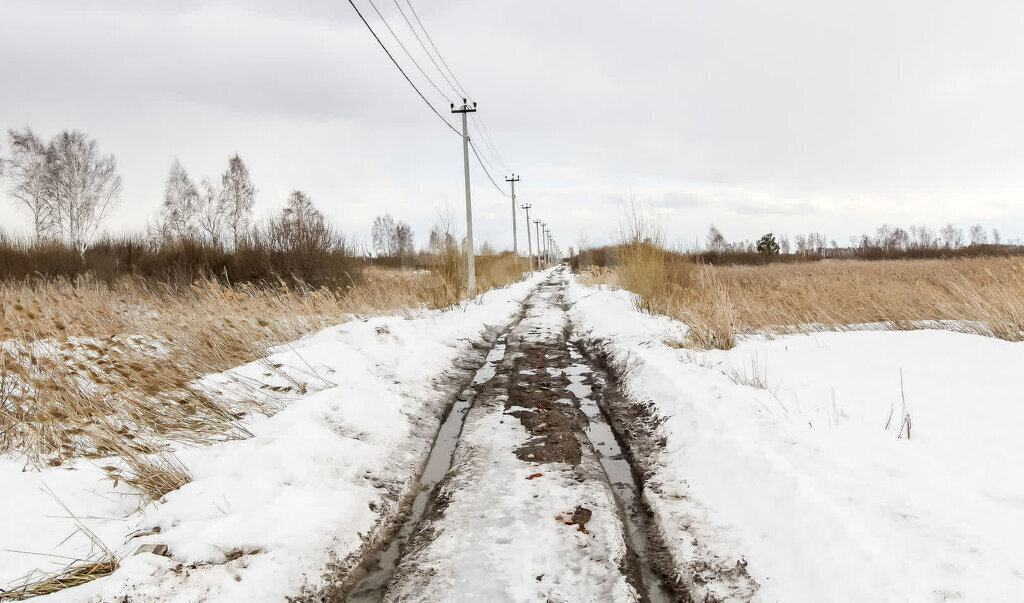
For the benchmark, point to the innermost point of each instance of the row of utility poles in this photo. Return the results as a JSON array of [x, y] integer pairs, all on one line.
[[547, 250]]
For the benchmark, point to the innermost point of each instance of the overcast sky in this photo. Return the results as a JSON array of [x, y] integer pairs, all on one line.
[[784, 116]]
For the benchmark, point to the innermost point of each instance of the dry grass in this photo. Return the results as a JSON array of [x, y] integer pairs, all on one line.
[[75, 574], [95, 370], [977, 295]]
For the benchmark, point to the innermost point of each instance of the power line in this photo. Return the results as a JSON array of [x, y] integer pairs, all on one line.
[[407, 53], [484, 168], [483, 157], [424, 47], [390, 56], [476, 153], [431, 40], [488, 143], [477, 120]]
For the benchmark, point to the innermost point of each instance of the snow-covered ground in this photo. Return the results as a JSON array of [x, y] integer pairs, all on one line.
[[263, 517], [777, 455]]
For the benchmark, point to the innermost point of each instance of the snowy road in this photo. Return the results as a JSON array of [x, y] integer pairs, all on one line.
[[532, 508]]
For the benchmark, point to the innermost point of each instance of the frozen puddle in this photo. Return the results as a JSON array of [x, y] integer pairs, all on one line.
[[371, 588]]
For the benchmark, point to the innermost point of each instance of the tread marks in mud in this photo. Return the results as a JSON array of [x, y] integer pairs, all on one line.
[[550, 388]]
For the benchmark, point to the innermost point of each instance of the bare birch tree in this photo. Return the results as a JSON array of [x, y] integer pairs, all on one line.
[[211, 212], [85, 186], [715, 240], [178, 214], [952, 237], [240, 195], [28, 170], [978, 235], [383, 233]]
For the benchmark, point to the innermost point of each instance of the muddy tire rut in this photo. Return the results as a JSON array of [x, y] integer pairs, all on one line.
[[536, 499]]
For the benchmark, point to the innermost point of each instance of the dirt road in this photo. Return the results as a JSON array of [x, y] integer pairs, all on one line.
[[534, 499]]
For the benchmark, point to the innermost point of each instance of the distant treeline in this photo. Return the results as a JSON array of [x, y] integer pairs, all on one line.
[[179, 262], [887, 243]]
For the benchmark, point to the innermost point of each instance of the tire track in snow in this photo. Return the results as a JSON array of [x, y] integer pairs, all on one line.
[[531, 508]]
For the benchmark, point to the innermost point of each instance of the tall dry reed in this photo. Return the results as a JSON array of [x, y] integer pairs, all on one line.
[[975, 295], [89, 369]]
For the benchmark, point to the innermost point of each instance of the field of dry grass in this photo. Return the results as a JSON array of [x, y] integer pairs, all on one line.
[[977, 295], [89, 369]]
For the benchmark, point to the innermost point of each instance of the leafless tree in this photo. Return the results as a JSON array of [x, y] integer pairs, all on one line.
[[179, 212], [899, 239], [85, 186], [952, 237], [29, 171], [404, 244], [996, 239], [978, 235], [211, 211], [383, 234], [442, 240], [923, 237], [239, 195], [715, 239], [301, 227], [784, 244]]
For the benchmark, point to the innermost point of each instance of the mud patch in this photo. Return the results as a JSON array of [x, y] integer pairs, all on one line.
[[540, 399]]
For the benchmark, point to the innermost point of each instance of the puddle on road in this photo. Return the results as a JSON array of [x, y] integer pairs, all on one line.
[[617, 468], [371, 588]]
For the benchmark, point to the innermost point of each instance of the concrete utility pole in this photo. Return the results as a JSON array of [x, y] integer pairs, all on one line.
[[537, 224], [529, 245], [544, 227], [515, 242], [471, 260]]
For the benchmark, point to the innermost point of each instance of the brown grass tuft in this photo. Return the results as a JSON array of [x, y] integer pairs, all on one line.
[[73, 575]]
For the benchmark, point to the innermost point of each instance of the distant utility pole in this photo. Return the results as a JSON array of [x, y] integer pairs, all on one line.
[[529, 245], [471, 262], [544, 227], [537, 224], [515, 243]]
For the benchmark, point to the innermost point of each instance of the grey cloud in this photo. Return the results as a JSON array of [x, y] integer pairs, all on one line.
[[829, 99]]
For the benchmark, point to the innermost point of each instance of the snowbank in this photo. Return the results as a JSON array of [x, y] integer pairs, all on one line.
[[777, 454], [264, 517]]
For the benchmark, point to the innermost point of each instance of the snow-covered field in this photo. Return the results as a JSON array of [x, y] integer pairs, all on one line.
[[777, 455], [263, 517]]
